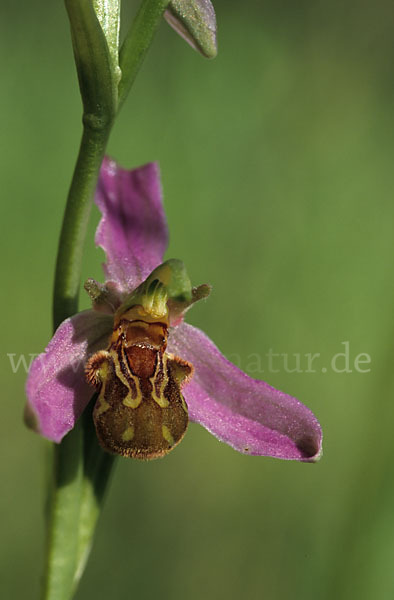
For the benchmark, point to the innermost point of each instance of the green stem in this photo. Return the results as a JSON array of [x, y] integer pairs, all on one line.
[[98, 466], [75, 221], [64, 500], [137, 42]]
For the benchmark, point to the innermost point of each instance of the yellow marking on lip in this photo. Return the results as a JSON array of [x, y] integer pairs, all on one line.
[[160, 399], [128, 434], [102, 404], [167, 435], [102, 407], [184, 405], [131, 402], [128, 400]]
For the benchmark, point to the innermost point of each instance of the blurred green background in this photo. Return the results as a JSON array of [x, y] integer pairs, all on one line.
[[277, 163]]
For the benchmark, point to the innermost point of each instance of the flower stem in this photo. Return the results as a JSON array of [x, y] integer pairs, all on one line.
[[64, 500], [75, 221]]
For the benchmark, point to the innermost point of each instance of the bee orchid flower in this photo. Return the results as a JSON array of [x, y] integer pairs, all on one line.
[[151, 370]]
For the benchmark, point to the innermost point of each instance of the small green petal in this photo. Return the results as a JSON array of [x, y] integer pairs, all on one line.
[[105, 298], [177, 309]]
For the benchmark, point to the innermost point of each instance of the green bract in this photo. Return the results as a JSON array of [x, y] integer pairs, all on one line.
[[95, 44]]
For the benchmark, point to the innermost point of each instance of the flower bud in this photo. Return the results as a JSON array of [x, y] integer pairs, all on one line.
[[195, 21]]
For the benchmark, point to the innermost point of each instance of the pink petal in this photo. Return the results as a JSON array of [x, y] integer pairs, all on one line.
[[133, 229], [56, 388], [246, 413]]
